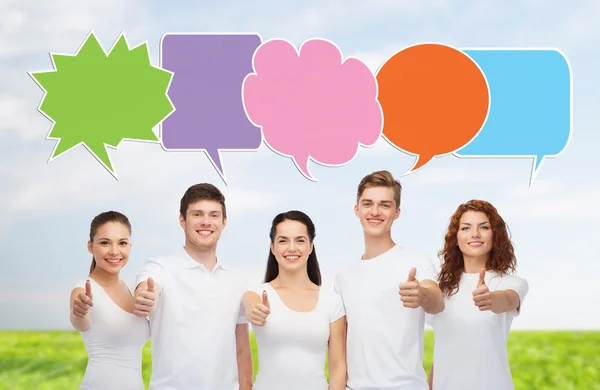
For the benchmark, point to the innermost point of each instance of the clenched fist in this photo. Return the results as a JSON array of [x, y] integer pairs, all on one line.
[[260, 312], [83, 302], [411, 292], [145, 300]]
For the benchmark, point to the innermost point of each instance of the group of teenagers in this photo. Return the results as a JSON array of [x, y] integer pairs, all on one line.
[[368, 330]]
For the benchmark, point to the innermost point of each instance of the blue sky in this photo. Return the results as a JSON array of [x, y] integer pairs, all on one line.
[[46, 208]]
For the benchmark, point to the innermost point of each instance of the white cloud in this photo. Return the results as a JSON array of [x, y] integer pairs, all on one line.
[[31, 26]]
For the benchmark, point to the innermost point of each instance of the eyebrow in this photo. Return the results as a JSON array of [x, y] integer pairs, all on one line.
[[204, 211], [278, 237], [467, 223], [383, 201], [108, 239]]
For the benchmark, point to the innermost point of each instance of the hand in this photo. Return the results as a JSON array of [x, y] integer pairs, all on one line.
[[261, 311], [144, 300], [482, 297], [83, 302], [411, 292]]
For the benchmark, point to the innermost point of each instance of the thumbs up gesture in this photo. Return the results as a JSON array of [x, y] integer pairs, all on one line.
[[83, 302], [482, 297], [261, 311], [144, 300], [411, 292]]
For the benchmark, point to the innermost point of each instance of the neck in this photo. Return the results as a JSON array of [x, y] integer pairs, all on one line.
[[206, 256], [473, 265], [104, 278], [293, 279], [376, 245]]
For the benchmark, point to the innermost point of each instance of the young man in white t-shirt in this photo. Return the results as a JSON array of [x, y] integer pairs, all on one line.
[[386, 294], [199, 331]]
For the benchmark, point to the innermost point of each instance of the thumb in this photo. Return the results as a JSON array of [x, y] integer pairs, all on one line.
[[88, 288], [150, 285], [481, 281], [265, 299], [412, 275]]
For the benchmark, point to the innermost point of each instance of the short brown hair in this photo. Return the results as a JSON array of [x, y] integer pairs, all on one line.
[[202, 191], [380, 179]]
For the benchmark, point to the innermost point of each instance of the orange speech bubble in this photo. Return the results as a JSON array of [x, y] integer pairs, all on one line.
[[435, 100]]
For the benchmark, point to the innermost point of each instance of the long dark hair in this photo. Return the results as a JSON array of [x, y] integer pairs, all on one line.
[[102, 218], [312, 266]]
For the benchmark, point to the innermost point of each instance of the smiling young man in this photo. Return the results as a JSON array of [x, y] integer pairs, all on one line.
[[386, 293], [199, 331]]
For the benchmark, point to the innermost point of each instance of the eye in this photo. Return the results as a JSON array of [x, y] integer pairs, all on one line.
[[103, 242], [123, 242], [464, 228], [485, 227]]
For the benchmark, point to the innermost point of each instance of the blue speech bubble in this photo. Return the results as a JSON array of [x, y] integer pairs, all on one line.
[[530, 107]]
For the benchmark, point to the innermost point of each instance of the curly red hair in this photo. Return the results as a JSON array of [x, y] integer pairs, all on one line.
[[501, 258]]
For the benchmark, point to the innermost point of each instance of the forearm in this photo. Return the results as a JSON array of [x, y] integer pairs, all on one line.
[[81, 324], [245, 369], [337, 376], [433, 300], [249, 300], [504, 301]]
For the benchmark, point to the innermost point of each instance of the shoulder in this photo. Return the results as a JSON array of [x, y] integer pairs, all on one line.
[[509, 281]]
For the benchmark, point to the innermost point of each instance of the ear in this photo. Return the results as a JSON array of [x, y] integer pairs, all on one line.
[[397, 213], [312, 246], [182, 221], [356, 210], [272, 248], [89, 245], [224, 222]]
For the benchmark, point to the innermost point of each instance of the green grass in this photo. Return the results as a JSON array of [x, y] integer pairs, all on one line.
[[539, 360]]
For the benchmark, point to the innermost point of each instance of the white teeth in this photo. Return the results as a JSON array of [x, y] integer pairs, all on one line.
[[113, 261], [204, 233], [292, 257]]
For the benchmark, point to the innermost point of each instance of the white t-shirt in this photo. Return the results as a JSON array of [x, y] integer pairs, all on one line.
[[470, 345], [292, 346], [193, 326], [385, 339], [114, 344]]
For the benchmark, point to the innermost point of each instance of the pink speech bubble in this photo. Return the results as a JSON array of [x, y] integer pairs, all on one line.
[[310, 104]]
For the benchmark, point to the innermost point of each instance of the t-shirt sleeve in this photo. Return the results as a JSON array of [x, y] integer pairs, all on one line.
[[429, 319], [337, 307], [426, 270], [517, 284], [153, 269]]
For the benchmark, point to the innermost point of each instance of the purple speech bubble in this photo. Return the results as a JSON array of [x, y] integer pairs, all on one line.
[[206, 90]]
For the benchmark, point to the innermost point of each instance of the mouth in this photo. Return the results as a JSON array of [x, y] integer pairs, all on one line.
[[291, 258], [113, 262], [476, 244], [375, 221], [204, 232]]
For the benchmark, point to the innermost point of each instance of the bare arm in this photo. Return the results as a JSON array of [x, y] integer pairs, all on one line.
[[433, 299], [80, 305], [430, 381], [337, 354], [504, 301], [244, 356]]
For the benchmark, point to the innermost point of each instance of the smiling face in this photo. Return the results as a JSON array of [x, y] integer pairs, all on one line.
[[377, 210], [291, 246], [111, 246], [475, 235], [203, 224]]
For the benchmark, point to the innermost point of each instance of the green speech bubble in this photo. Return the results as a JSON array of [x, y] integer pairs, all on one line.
[[98, 100]]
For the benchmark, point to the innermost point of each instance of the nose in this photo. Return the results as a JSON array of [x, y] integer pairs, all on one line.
[[292, 246], [114, 249]]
